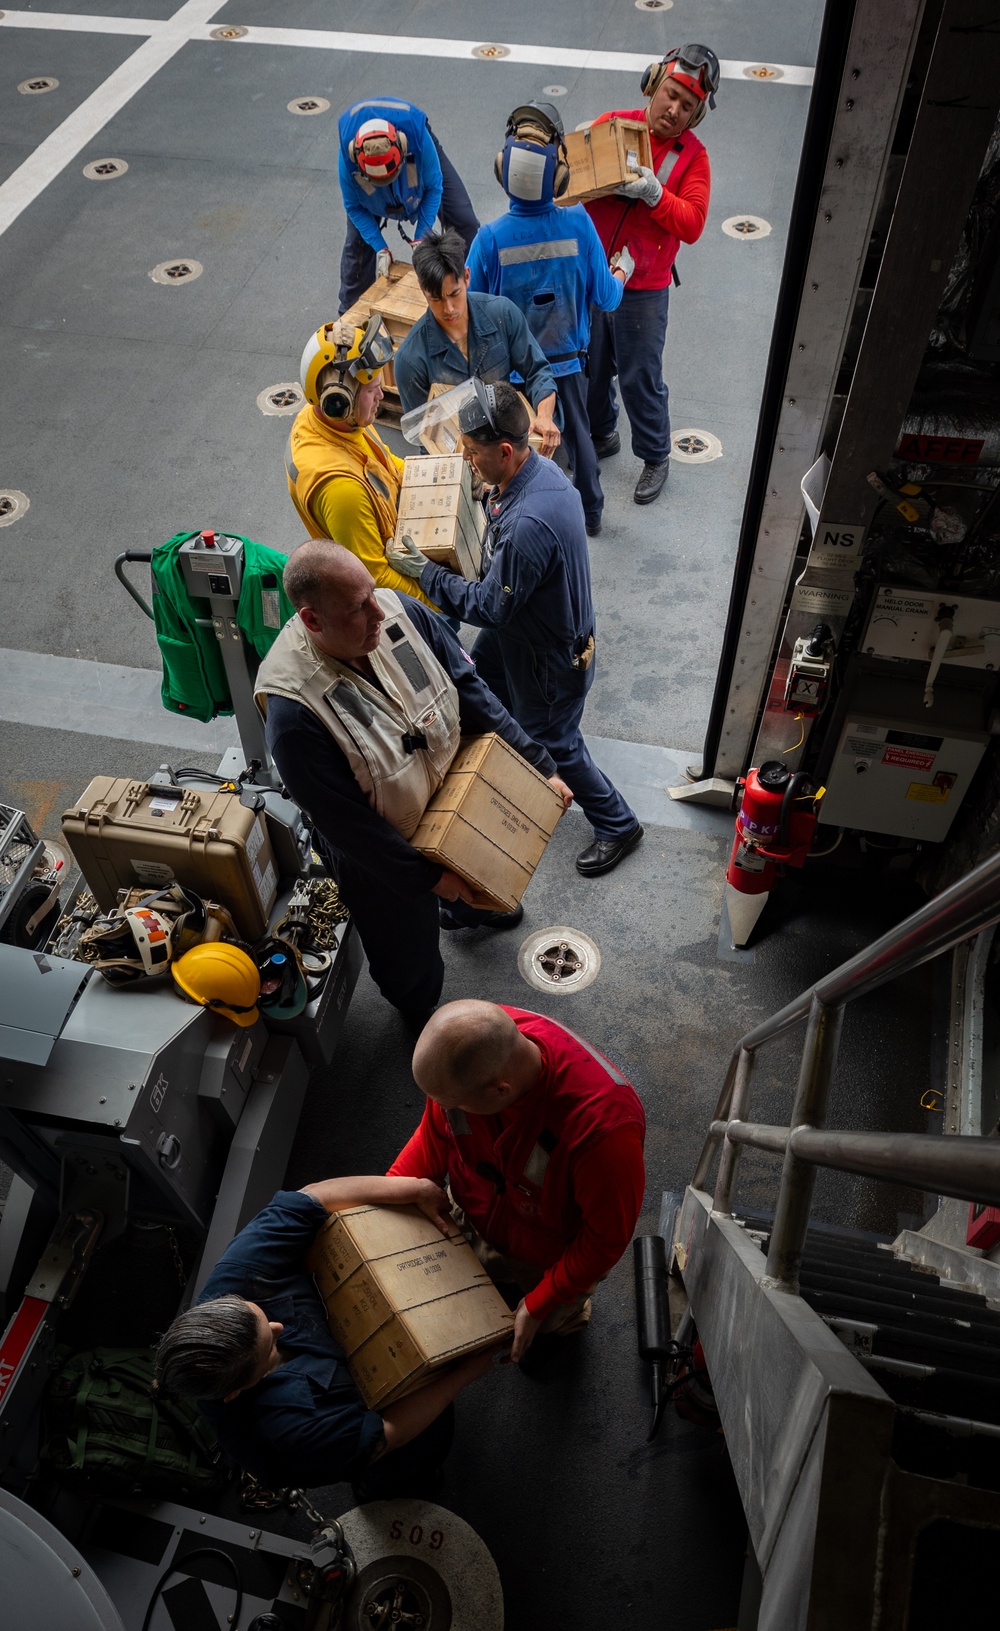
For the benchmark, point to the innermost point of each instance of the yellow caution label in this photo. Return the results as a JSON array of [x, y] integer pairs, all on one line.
[[926, 793]]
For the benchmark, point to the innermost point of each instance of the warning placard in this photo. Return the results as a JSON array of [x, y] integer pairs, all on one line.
[[909, 758], [927, 793]]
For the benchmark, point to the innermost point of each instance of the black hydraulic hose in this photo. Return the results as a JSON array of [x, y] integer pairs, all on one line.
[[800, 779], [179, 1565], [830, 62]]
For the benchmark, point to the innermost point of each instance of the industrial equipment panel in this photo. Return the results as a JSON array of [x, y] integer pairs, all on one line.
[[889, 777]]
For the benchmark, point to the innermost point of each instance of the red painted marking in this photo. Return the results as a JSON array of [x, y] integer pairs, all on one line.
[[941, 449], [17, 1339]]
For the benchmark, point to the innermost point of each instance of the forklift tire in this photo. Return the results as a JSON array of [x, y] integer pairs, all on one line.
[[15, 931], [419, 1564]]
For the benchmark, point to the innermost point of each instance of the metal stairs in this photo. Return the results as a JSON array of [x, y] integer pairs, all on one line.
[[932, 1346], [859, 1394]]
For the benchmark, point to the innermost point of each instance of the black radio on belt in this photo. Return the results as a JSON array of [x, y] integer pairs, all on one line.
[[486, 1169], [412, 743]]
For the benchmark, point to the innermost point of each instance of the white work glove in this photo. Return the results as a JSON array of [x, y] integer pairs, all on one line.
[[623, 262], [647, 188], [407, 559], [383, 261]]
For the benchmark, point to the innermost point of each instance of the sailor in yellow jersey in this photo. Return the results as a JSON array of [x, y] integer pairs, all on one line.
[[343, 480]]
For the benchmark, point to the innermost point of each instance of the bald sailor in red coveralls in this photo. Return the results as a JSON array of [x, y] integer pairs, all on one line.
[[539, 1140]]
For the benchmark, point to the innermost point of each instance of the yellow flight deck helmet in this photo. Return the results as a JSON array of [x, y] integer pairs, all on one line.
[[353, 356], [221, 977]]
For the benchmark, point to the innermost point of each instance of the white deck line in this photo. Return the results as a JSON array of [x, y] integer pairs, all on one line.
[[69, 139], [193, 22], [393, 45], [546, 56], [69, 23]]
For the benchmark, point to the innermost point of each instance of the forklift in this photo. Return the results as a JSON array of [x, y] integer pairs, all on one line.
[[129, 1116]]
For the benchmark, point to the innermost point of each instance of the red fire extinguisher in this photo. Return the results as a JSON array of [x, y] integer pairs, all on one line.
[[774, 827]]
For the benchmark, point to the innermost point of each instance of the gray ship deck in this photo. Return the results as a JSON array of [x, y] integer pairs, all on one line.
[[130, 412]]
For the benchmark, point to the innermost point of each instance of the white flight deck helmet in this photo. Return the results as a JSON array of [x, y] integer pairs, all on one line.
[[138, 939], [340, 358]]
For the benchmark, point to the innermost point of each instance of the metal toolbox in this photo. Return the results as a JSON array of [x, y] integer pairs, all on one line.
[[125, 833]]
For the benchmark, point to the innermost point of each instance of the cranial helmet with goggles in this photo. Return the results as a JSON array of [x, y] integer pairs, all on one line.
[[695, 67], [379, 150], [532, 164], [138, 939], [494, 413], [338, 359]]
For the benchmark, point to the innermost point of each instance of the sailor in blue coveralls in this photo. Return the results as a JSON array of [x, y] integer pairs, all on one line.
[[533, 604], [257, 1354], [392, 166], [549, 261]]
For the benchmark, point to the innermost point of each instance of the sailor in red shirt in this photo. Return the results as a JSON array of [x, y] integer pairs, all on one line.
[[539, 1139], [652, 216]]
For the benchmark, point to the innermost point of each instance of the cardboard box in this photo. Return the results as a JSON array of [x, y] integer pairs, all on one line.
[[603, 156], [490, 821], [402, 1300], [124, 833], [437, 510]]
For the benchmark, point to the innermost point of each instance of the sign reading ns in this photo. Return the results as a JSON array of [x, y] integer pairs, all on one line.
[[838, 543]]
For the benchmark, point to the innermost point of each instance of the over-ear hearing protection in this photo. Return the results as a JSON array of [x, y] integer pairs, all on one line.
[[532, 164], [651, 79], [696, 67], [338, 399]]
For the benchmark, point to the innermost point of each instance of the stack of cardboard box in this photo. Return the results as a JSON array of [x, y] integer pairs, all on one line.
[[437, 510]]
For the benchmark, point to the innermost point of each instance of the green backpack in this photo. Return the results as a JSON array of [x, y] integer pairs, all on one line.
[[194, 675], [104, 1434]]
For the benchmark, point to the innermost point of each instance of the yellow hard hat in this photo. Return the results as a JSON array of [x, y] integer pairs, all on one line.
[[221, 977]]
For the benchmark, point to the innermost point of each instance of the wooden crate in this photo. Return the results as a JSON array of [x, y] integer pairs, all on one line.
[[603, 156], [399, 302], [397, 298]]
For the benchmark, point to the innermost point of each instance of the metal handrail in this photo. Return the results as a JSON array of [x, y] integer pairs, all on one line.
[[968, 1168]]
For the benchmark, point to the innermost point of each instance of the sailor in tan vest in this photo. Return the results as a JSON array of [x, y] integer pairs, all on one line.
[[365, 694], [343, 480]]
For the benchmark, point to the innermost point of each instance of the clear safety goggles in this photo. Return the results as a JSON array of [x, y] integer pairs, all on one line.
[[369, 355]]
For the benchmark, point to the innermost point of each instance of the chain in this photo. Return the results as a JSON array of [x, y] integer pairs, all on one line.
[[326, 910], [256, 1497], [298, 1499], [312, 914]]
